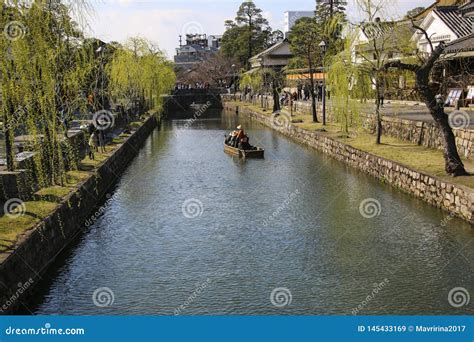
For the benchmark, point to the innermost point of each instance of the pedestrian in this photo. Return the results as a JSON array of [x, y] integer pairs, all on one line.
[[299, 90], [381, 94], [101, 137], [306, 92], [92, 145]]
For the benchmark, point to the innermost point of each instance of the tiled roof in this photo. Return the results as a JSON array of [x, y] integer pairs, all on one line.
[[463, 44], [377, 30], [467, 7], [453, 18], [270, 49]]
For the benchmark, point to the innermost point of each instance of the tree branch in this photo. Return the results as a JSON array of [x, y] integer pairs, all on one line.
[[423, 31], [402, 66], [434, 56]]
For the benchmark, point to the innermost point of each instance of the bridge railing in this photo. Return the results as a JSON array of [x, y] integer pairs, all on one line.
[[204, 91]]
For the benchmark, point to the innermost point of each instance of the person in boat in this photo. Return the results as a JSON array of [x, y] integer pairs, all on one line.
[[228, 139], [245, 144], [240, 135]]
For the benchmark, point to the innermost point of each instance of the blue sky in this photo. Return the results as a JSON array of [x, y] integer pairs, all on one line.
[[164, 20]]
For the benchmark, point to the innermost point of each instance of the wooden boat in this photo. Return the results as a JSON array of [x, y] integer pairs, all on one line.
[[258, 153]]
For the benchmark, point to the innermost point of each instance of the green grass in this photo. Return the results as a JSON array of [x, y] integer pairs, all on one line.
[[11, 228], [416, 157], [47, 200], [135, 124], [54, 191]]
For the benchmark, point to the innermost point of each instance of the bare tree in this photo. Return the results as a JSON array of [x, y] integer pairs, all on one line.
[[305, 37], [423, 71], [376, 52], [217, 69]]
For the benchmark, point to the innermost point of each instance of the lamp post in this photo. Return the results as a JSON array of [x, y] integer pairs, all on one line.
[[324, 48], [235, 81], [101, 51]]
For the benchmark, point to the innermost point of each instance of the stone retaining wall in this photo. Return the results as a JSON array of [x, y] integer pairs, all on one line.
[[39, 247], [422, 133], [23, 182], [456, 199]]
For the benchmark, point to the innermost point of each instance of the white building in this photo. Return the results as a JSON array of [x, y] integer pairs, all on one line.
[[443, 24], [292, 16], [214, 41]]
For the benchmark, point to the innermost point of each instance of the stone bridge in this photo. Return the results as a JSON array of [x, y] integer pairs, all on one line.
[[190, 100]]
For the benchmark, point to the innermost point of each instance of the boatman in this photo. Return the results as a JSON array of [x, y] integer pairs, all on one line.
[[240, 132]]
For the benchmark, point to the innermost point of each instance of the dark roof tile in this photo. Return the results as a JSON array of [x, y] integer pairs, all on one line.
[[463, 44], [452, 17]]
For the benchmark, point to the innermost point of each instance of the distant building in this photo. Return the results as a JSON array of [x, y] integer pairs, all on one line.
[[198, 48], [275, 57], [214, 41], [292, 16]]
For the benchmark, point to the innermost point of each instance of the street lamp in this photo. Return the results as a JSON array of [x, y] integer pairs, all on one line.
[[101, 52], [324, 49], [235, 81]]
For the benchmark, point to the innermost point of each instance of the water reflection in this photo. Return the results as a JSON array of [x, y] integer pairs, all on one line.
[[250, 240]]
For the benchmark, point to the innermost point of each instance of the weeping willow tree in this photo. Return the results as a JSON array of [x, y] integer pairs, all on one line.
[[43, 73], [347, 84], [251, 82], [140, 74], [262, 81]]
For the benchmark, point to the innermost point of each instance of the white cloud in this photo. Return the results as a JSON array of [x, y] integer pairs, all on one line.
[[161, 26], [164, 20]]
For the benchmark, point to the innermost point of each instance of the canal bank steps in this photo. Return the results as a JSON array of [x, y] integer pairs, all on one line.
[[60, 216], [456, 199]]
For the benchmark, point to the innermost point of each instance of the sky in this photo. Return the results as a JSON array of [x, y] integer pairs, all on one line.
[[162, 21]]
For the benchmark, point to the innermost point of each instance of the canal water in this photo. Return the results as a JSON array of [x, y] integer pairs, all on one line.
[[190, 230]]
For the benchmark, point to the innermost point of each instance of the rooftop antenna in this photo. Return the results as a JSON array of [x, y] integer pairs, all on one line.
[[180, 40]]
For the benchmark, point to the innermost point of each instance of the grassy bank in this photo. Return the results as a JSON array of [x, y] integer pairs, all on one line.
[[47, 200], [414, 156]]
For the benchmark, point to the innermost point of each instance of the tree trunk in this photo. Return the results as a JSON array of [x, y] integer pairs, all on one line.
[[378, 119], [453, 163], [9, 137], [276, 98], [313, 95]]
